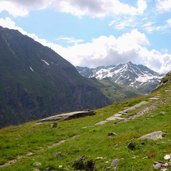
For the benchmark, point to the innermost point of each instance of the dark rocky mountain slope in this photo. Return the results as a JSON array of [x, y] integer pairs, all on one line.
[[35, 81]]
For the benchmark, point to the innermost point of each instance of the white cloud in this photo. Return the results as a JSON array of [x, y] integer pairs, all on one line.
[[70, 40], [169, 22], [92, 8], [107, 50], [164, 5], [149, 27], [8, 23], [159, 28], [123, 22], [13, 8]]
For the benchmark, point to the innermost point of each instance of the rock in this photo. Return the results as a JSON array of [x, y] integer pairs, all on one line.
[[101, 122], [118, 115], [167, 90], [153, 136], [114, 163], [167, 157], [50, 168], [134, 157], [29, 154], [161, 166], [164, 169], [90, 165], [79, 163], [53, 125], [37, 164], [131, 146], [99, 158], [108, 168], [110, 134], [58, 155], [157, 166], [162, 112], [165, 165], [142, 143], [60, 166], [67, 116], [154, 98]]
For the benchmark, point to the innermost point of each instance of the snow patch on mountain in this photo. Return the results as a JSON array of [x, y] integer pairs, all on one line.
[[31, 69], [128, 74], [45, 62]]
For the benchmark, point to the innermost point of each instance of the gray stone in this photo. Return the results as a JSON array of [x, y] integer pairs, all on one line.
[[131, 146], [162, 112], [153, 136], [114, 163], [53, 125], [50, 168], [157, 166], [59, 155], [101, 122], [36, 170], [107, 169], [82, 164], [67, 116], [37, 164], [90, 165], [79, 164], [154, 98], [167, 157], [99, 158], [118, 115], [111, 134]]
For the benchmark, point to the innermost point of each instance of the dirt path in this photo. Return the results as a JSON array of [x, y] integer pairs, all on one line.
[[118, 116], [10, 162], [138, 114]]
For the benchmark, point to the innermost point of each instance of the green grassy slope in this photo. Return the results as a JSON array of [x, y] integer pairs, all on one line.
[[115, 92], [92, 141]]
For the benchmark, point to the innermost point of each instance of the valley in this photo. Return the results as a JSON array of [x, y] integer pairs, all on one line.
[[34, 146], [85, 85]]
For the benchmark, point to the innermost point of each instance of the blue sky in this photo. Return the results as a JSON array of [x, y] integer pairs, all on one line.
[[99, 32]]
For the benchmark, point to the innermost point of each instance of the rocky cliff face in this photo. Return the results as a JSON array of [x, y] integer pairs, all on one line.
[[36, 82]]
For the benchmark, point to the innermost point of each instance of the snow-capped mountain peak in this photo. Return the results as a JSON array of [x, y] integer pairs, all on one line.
[[129, 74]]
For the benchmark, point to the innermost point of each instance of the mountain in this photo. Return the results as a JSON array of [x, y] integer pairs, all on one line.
[[115, 92], [36, 82], [135, 76], [131, 135]]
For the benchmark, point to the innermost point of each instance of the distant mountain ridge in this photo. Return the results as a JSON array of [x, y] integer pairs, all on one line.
[[136, 76], [36, 82]]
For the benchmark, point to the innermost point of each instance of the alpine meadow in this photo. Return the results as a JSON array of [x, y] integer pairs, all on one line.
[[85, 85]]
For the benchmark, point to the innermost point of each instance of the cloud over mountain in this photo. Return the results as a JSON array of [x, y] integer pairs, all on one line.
[[95, 8], [105, 50]]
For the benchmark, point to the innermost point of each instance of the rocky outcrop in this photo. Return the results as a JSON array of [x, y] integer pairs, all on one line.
[[67, 116], [153, 136]]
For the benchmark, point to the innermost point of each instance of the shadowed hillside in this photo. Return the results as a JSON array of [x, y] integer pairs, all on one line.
[[36, 82]]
